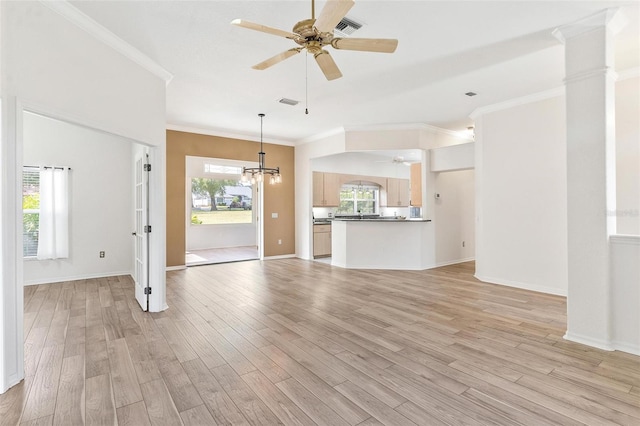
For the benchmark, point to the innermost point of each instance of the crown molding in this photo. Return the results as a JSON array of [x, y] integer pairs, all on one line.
[[540, 96], [383, 127], [612, 18], [225, 134], [84, 22], [535, 97], [322, 135], [401, 126]]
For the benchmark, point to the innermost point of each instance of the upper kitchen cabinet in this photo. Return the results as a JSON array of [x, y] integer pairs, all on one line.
[[416, 185], [397, 192], [326, 189]]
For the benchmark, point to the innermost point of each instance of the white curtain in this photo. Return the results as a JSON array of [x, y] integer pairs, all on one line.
[[53, 238]]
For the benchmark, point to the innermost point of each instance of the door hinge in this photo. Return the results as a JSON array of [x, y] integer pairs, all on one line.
[[147, 228], [147, 167], [147, 290]]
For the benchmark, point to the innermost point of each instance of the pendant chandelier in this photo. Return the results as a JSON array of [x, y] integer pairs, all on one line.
[[258, 174]]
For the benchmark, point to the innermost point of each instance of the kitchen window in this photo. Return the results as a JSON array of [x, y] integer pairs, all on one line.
[[358, 199]]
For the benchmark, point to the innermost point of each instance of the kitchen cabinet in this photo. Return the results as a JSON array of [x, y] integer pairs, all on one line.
[[397, 192], [416, 185], [326, 189], [321, 240]]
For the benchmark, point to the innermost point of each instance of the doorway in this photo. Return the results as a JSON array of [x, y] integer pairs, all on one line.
[[222, 212], [101, 202]]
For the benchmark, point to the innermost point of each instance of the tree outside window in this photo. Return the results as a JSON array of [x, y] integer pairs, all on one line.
[[220, 201], [30, 211]]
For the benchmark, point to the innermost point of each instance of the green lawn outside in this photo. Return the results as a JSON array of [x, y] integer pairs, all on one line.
[[223, 216]]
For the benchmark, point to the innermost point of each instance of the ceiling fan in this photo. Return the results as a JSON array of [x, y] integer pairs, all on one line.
[[314, 34], [398, 159]]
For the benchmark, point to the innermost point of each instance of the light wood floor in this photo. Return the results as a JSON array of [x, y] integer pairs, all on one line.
[[221, 255], [298, 342]]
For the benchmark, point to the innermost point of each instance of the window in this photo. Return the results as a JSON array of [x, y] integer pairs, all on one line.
[[355, 199], [224, 170], [30, 211], [220, 201]]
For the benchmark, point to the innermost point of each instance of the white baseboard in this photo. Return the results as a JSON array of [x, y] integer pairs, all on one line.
[[454, 262], [76, 277], [284, 256], [11, 382], [524, 286], [631, 348], [176, 268], [589, 341]]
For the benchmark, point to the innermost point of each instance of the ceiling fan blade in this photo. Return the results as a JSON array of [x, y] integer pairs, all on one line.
[[278, 58], [263, 28], [382, 45], [332, 12], [328, 65]]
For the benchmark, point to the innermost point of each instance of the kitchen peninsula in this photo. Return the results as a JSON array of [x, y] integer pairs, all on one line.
[[382, 243]]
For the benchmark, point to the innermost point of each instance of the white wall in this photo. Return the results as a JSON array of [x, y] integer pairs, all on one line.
[[55, 64], [220, 236], [327, 145], [101, 193], [455, 157], [625, 293], [521, 214], [360, 163], [454, 216], [52, 66], [628, 156]]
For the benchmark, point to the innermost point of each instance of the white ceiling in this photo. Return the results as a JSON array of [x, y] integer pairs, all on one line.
[[498, 49]]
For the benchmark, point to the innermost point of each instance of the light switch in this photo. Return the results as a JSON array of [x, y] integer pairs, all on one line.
[[274, 215]]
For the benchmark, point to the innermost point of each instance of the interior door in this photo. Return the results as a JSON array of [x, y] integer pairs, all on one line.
[[257, 207], [141, 234]]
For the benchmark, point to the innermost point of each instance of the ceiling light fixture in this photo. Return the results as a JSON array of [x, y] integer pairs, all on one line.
[[257, 174]]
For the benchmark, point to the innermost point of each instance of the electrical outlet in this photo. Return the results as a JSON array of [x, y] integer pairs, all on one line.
[[101, 254], [463, 244], [279, 242]]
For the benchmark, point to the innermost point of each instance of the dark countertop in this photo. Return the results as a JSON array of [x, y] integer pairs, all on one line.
[[384, 220], [367, 219]]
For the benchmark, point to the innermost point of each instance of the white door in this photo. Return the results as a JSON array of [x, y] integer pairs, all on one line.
[[141, 234], [257, 206]]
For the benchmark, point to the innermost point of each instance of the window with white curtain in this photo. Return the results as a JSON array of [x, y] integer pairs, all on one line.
[[53, 235], [45, 208]]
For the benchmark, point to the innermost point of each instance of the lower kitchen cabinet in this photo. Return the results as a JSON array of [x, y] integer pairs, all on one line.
[[321, 240]]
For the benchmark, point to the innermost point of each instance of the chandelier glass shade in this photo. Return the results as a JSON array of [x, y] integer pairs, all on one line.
[[260, 173]]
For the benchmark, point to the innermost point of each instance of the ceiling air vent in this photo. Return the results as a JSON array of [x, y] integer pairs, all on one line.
[[347, 27], [288, 101]]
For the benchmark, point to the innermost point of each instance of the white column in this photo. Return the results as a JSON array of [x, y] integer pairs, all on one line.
[[590, 94]]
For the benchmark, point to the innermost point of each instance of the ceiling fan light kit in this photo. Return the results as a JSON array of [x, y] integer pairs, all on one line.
[[314, 34]]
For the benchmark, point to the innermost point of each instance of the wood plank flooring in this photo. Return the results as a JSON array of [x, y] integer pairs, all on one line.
[[221, 255], [297, 342]]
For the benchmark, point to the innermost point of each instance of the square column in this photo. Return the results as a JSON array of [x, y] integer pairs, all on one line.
[[590, 105]]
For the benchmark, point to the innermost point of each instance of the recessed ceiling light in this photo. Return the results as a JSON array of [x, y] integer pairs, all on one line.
[[288, 101], [470, 94]]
